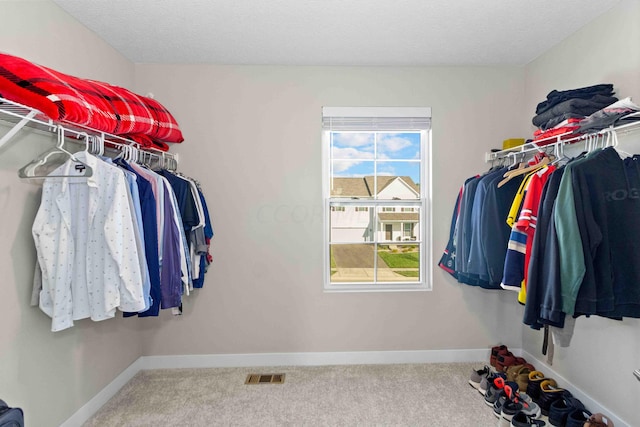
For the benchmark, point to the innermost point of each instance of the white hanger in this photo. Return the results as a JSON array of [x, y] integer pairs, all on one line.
[[29, 171]]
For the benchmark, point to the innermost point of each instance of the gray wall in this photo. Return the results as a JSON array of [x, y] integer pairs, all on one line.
[[603, 353], [253, 141], [49, 375]]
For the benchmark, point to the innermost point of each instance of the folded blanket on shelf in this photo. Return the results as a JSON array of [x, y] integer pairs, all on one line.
[[556, 97], [89, 103], [579, 106]]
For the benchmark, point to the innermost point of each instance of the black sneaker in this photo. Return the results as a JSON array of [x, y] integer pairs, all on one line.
[[549, 393], [523, 420], [578, 417], [533, 387], [561, 408], [510, 389]]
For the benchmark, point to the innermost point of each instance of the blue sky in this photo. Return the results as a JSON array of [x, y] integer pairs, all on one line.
[[355, 152]]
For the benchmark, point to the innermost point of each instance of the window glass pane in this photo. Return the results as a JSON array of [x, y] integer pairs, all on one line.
[[352, 263], [351, 178], [351, 224], [404, 146], [398, 263], [352, 145], [396, 224], [398, 180]]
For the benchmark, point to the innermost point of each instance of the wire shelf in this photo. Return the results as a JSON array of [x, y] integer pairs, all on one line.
[[23, 116]]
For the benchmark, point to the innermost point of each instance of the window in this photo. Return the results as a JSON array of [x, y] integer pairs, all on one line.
[[376, 160]]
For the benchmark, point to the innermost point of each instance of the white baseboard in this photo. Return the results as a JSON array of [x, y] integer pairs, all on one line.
[[270, 359], [588, 401], [313, 359], [93, 405]]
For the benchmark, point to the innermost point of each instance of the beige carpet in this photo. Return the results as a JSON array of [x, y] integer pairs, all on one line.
[[355, 395]]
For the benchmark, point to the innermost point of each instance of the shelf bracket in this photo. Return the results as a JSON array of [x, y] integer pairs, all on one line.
[[22, 123]]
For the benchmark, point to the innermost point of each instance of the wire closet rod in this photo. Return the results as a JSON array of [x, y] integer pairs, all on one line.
[[558, 141], [22, 116]]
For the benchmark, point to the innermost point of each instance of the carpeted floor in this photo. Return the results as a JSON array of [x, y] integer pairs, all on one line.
[[354, 395]]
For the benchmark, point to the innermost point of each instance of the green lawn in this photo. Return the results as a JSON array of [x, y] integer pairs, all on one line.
[[401, 260], [409, 273]]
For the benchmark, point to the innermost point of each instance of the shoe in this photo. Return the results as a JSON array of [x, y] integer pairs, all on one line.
[[578, 418], [493, 394], [561, 408], [520, 374], [497, 406], [549, 393], [512, 406], [494, 353], [487, 381], [510, 388], [533, 386], [516, 402], [477, 375], [504, 360], [523, 420], [598, 420]]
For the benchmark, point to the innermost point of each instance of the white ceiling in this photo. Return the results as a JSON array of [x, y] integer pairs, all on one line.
[[335, 32]]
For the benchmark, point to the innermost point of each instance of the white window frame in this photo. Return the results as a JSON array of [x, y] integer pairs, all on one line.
[[363, 117]]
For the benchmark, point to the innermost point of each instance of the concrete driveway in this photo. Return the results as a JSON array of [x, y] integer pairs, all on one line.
[[354, 263]]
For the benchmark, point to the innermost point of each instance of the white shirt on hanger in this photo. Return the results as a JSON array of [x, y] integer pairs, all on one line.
[[86, 246]]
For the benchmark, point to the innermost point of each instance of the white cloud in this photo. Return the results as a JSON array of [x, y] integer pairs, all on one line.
[[354, 139], [350, 153], [393, 144], [343, 165]]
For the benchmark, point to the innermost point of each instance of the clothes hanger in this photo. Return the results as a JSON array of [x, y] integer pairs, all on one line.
[[30, 170], [615, 142], [525, 170]]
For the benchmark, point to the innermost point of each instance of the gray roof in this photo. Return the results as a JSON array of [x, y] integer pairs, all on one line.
[[363, 186]]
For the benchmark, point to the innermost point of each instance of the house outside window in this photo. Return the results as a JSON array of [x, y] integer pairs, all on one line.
[[376, 160]]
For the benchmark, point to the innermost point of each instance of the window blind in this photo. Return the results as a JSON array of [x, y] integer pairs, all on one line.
[[376, 118]]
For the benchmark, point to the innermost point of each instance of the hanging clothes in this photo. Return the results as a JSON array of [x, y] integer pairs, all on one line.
[[117, 240]]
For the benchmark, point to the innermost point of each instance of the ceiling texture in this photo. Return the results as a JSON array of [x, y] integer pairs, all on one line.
[[335, 32]]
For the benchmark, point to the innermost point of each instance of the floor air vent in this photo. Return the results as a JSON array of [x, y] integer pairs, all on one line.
[[264, 379]]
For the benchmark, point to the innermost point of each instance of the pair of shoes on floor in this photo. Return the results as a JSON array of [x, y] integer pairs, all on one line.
[[549, 393], [561, 409], [495, 390], [506, 394], [477, 375], [533, 385], [517, 403], [520, 374]]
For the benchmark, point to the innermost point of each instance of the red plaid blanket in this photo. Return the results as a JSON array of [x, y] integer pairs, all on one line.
[[91, 103]]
